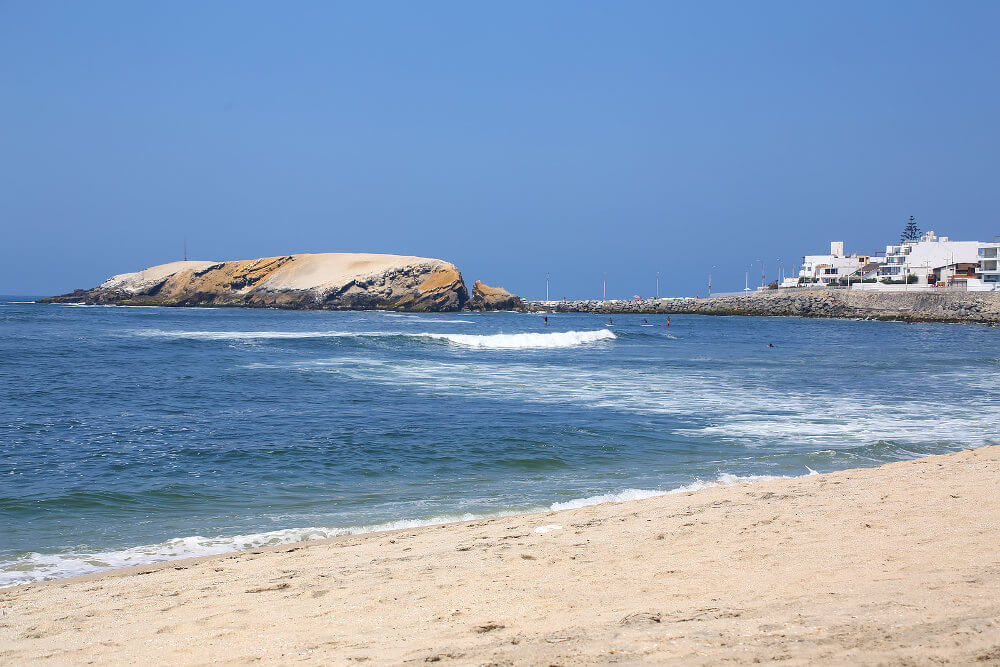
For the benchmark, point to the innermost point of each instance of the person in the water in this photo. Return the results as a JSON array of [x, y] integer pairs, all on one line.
[[770, 344], [645, 321], [611, 322], [546, 318], [668, 320]]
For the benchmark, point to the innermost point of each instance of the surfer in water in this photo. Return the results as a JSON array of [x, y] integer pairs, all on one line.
[[546, 318], [611, 322], [668, 320], [645, 321]]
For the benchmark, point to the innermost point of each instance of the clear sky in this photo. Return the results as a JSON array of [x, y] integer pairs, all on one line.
[[512, 138]]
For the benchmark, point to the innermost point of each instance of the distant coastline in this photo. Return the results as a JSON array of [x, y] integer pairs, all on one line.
[[352, 281]]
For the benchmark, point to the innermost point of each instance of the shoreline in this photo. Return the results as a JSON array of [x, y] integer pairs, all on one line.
[[397, 525], [891, 563]]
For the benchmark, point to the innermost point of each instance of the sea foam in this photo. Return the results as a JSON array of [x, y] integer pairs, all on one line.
[[526, 340], [724, 479], [514, 341]]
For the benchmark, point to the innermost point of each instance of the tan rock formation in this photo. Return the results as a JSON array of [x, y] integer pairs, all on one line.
[[485, 297], [334, 281]]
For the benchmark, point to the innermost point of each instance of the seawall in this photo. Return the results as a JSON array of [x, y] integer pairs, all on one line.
[[979, 307]]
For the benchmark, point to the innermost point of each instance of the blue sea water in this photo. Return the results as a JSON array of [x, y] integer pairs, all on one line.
[[130, 435]]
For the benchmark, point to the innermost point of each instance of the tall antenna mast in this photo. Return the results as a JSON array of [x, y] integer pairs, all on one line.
[[185, 248]]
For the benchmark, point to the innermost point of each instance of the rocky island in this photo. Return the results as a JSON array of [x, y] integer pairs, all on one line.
[[328, 281]]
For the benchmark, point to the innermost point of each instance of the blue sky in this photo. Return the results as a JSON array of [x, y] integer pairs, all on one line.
[[512, 138]]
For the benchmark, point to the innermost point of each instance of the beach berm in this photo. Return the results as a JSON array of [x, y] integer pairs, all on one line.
[[891, 565]]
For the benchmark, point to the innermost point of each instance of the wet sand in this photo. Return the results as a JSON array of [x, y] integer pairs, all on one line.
[[893, 565]]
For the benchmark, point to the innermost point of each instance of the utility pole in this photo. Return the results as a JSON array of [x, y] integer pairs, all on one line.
[[657, 284], [604, 287], [185, 248], [747, 288], [546, 287]]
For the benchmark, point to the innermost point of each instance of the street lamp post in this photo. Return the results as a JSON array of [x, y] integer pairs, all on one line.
[[604, 287], [714, 266], [546, 287], [657, 284]]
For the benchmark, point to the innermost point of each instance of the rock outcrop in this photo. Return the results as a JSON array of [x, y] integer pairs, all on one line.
[[485, 297], [330, 281], [914, 306]]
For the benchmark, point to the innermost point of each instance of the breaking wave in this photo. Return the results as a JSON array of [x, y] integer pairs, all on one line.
[[500, 341], [526, 340]]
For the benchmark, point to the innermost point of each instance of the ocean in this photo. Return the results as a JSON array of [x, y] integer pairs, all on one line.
[[131, 435]]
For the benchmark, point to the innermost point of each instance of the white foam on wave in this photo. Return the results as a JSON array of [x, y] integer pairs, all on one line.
[[40, 567], [514, 341], [739, 413], [33, 567], [522, 341], [724, 479]]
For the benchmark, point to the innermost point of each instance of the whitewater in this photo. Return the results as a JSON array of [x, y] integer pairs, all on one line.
[[498, 341]]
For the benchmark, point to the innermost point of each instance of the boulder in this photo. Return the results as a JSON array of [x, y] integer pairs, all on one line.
[[485, 297]]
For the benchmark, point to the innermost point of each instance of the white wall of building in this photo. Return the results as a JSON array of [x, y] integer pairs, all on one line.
[[928, 255], [989, 266], [834, 266]]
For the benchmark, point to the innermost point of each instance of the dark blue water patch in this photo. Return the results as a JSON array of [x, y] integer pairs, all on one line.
[[113, 436]]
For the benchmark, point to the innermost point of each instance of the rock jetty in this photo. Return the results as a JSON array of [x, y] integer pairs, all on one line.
[[485, 297], [915, 306], [331, 281]]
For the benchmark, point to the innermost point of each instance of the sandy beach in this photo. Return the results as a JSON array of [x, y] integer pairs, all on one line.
[[892, 565]]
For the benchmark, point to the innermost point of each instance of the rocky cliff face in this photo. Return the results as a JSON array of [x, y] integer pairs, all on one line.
[[485, 297], [332, 281]]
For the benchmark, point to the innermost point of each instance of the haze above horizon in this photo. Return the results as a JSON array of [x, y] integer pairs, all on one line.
[[514, 139]]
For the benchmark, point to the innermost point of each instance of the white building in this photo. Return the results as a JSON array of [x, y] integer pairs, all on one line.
[[931, 260], [826, 269], [989, 267]]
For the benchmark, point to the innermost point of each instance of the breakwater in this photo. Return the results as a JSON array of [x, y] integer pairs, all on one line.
[[915, 306]]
